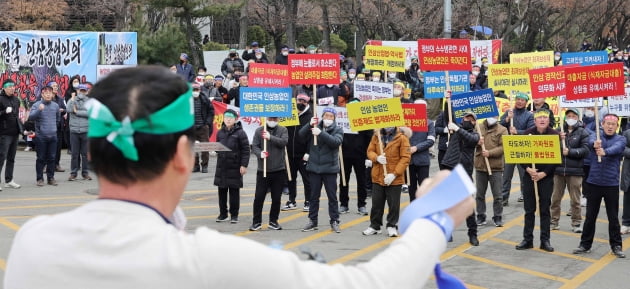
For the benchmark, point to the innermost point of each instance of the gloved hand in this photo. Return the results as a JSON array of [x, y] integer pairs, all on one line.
[[389, 178], [316, 131], [453, 126], [265, 135], [305, 157], [368, 163], [381, 159], [264, 155], [314, 121], [446, 130], [9, 109]]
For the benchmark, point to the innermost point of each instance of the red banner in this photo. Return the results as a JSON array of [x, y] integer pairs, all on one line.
[[594, 81], [444, 54], [416, 116], [314, 69], [219, 109], [547, 82], [268, 75]]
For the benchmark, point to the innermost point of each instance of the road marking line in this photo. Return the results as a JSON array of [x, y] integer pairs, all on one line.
[[513, 268], [42, 206], [3, 265], [9, 224], [567, 255], [46, 199], [280, 221], [363, 251]]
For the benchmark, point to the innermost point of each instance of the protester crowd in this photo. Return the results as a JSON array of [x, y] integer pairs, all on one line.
[[387, 162]]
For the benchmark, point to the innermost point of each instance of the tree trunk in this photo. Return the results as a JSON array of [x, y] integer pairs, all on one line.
[[326, 33], [243, 24], [190, 36], [292, 9]]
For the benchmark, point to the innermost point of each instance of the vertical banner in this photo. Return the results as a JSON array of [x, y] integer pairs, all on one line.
[[509, 77], [594, 81], [116, 50], [268, 75], [444, 54], [314, 69], [34, 58], [435, 83], [265, 102], [416, 116], [585, 58], [369, 90], [489, 49], [540, 59], [385, 58], [480, 102]]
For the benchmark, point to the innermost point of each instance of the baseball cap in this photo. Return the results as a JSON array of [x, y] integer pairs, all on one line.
[[184, 56], [196, 86], [82, 86], [330, 110], [255, 43], [469, 112]]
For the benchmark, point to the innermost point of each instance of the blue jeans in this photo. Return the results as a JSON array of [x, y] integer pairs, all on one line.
[[46, 147]]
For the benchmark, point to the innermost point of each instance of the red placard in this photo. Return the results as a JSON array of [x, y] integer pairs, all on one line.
[[594, 81], [444, 54], [416, 116], [548, 82], [268, 75], [314, 69]]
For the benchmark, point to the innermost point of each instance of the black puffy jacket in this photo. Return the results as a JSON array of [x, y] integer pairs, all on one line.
[[228, 174], [577, 143]]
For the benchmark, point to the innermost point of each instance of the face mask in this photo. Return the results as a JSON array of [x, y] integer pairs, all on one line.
[[467, 125], [619, 57], [328, 122], [201, 73], [301, 106], [311, 52], [258, 56], [376, 79], [397, 92], [81, 94], [75, 85], [285, 53], [301, 49], [392, 75], [361, 79], [625, 58], [390, 130], [351, 76], [475, 73], [329, 85], [556, 58], [486, 64], [271, 123], [195, 93], [589, 113], [609, 47], [571, 121], [491, 121], [232, 54]]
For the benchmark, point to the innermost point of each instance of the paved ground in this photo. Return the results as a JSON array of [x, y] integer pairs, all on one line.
[[494, 264]]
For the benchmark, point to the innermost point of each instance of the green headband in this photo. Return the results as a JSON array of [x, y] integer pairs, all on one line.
[[175, 117], [229, 114], [8, 84]]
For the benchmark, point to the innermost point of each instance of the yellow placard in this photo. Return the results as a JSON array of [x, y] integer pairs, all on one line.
[[294, 119], [373, 114], [509, 77], [532, 149], [386, 58], [536, 59]]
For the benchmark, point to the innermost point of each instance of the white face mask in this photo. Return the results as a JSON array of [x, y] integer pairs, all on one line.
[[391, 75], [195, 93], [571, 121], [589, 113], [351, 76], [397, 92], [330, 85], [475, 73], [75, 85], [285, 53], [271, 123], [258, 56], [491, 121], [328, 122], [376, 79]]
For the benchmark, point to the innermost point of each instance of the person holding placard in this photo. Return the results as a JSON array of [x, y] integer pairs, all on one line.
[[323, 166], [389, 152], [492, 139], [542, 175], [603, 183], [461, 149], [538, 104], [569, 174], [276, 136], [354, 148], [231, 165], [517, 120], [296, 149]]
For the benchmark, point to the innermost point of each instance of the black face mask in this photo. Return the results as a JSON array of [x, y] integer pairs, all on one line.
[[232, 54], [467, 125], [301, 106]]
